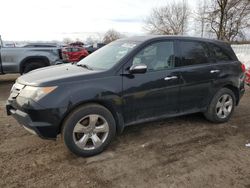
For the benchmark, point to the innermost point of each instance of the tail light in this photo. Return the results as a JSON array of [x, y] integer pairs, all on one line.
[[243, 67]]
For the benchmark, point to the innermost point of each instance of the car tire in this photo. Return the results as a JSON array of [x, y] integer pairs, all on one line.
[[88, 130], [32, 66], [221, 107]]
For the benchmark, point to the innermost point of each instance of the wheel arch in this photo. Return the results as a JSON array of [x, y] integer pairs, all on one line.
[[42, 59], [117, 116], [235, 90]]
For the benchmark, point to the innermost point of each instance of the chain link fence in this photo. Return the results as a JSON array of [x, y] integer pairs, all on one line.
[[243, 53]]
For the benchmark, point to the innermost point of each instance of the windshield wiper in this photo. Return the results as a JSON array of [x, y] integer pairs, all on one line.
[[84, 66]]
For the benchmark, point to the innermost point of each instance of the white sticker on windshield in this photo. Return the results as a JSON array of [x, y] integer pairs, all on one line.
[[128, 45]]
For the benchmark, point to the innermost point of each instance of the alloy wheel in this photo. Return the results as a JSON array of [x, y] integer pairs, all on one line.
[[90, 132], [224, 106]]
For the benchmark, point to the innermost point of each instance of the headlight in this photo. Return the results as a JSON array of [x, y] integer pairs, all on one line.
[[36, 93]]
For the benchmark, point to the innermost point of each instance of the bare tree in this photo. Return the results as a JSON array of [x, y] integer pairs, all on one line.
[[90, 40], [229, 18], [67, 40], [201, 16], [168, 20], [111, 35]]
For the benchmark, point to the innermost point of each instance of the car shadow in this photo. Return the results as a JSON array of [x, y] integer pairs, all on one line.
[[197, 118]]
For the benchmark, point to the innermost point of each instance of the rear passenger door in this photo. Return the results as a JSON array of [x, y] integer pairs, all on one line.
[[197, 73], [227, 67]]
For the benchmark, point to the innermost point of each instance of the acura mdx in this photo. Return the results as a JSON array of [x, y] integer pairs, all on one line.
[[129, 81]]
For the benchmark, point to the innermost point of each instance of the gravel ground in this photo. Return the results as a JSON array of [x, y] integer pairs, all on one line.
[[186, 151]]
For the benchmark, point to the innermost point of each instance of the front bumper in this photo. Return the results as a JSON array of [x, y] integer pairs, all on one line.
[[44, 130]]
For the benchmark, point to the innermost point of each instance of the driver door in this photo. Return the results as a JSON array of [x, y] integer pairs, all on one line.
[[156, 92]]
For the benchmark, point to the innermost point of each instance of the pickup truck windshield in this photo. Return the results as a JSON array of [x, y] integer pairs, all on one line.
[[107, 56]]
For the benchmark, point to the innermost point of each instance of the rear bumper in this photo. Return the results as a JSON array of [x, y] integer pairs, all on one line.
[[44, 130]]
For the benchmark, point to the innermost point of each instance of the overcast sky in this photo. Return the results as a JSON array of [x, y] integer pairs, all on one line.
[[58, 19]]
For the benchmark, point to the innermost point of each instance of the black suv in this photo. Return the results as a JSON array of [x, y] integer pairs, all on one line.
[[129, 81]]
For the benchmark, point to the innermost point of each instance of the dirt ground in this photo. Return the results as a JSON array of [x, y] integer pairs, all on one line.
[[186, 151]]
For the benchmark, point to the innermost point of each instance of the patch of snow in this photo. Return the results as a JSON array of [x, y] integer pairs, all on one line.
[[243, 53], [244, 58]]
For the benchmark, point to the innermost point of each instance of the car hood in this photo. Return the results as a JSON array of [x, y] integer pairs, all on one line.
[[56, 75]]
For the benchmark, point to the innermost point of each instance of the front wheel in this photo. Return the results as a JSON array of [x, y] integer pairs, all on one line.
[[221, 107], [88, 130]]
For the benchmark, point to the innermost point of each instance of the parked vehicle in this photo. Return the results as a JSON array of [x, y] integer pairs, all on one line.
[[25, 59], [248, 77], [94, 47], [77, 43], [74, 53], [41, 45], [9, 45], [127, 82]]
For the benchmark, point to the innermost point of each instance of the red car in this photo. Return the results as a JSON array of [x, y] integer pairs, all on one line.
[[74, 53], [248, 77]]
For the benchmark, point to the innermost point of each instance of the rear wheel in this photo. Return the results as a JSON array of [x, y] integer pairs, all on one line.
[[221, 107], [88, 130], [32, 66]]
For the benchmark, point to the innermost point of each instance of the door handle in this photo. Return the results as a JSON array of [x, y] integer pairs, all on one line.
[[170, 78], [214, 71]]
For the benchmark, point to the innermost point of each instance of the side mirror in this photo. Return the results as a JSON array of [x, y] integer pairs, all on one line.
[[138, 69]]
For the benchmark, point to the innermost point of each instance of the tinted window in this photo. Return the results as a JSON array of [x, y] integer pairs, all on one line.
[[75, 49], [193, 53], [69, 49], [157, 56], [72, 49], [219, 54]]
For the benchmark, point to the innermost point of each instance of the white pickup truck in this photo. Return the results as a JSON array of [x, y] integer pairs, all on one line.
[[24, 59]]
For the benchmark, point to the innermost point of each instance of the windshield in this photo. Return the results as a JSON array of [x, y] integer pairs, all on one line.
[[109, 55]]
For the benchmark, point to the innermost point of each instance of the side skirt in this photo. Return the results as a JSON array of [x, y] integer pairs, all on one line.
[[146, 120]]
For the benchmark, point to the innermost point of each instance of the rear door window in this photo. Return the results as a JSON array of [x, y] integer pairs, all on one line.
[[219, 54], [193, 53]]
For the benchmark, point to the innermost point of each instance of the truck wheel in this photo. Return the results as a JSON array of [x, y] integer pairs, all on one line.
[[88, 130], [221, 107], [32, 66]]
